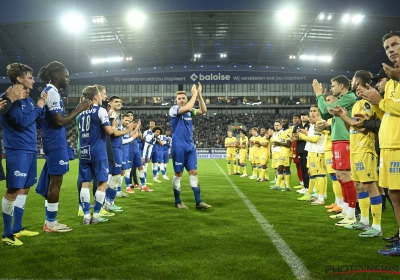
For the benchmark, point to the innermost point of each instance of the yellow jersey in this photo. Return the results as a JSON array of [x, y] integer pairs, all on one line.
[[256, 149], [230, 144], [362, 142], [284, 136], [244, 141], [389, 133], [328, 141], [264, 150]]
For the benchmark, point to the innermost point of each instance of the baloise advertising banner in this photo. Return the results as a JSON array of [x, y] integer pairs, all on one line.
[[209, 77]]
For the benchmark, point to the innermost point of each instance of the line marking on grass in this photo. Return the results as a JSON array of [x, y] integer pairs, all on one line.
[[298, 268]]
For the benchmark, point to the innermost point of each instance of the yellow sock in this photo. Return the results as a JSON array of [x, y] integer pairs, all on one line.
[[311, 185], [255, 171], [234, 168], [376, 210], [364, 203], [319, 185], [337, 189], [229, 167], [262, 173], [279, 179], [244, 170], [288, 178]]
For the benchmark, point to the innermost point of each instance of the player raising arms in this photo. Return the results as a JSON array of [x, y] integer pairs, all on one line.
[[183, 150]]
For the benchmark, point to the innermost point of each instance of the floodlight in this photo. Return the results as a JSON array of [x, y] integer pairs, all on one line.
[[73, 22], [223, 54], [197, 55], [357, 18], [329, 17], [286, 15], [136, 18], [345, 18], [321, 16], [98, 19]]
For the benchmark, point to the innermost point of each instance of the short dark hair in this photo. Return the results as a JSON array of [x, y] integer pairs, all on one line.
[[278, 121], [157, 128], [365, 77], [341, 80], [126, 115], [314, 105], [296, 115], [15, 70], [243, 132], [114, 97], [390, 35], [129, 112]]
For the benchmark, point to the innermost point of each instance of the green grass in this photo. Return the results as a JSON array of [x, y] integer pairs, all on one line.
[[153, 240]]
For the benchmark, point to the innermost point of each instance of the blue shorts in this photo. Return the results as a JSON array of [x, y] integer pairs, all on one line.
[[154, 156], [136, 159], [117, 168], [58, 162], [21, 170], [184, 157], [98, 170], [125, 160], [165, 157]]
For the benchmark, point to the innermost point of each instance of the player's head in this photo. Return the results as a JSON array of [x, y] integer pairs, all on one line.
[[381, 81], [330, 98], [361, 79], [130, 114], [20, 74], [103, 92], [340, 85], [304, 116], [168, 133], [126, 120], [314, 118], [277, 125], [55, 73], [314, 110], [391, 44], [92, 93], [157, 131], [285, 123], [254, 131], [229, 133], [181, 98], [263, 131], [296, 119], [115, 103], [243, 133], [152, 124]]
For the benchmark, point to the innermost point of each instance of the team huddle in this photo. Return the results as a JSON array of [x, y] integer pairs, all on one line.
[[339, 137]]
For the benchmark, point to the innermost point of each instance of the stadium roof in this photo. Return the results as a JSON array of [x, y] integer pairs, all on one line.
[[249, 33]]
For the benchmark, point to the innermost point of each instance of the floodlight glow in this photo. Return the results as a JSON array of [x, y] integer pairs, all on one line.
[[99, 19], [197, 55], [292, 57], [346, 18], [74, 22], [357, 18], [329, 17], [136, 18], [107, 59], [287, 15], [223, 54], [315, 57], [321, 16], [128, 58]]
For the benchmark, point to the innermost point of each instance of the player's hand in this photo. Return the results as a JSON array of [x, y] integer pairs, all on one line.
[[199, 89], [142, 161], [84, 105], [338, 111], [16, 92], [318, 89], [3, 103], [393, 72], [115, 123], [370, 94], [194, 90], [130, 126], [303, 131]]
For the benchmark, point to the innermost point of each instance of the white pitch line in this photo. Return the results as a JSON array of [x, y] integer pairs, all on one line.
[[299, 270]]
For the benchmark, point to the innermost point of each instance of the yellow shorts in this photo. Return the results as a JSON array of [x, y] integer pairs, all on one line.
[[264, 159], [389, 169], [328, 162], [363, 167], [275, 160], [316, 163], [231, 156], [285, 160], [242, 156]]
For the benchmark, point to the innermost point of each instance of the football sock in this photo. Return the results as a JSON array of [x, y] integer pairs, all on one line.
[[364, 202], [176, 186], [7, 207], [19, 206], [376, 210], [194, 184]]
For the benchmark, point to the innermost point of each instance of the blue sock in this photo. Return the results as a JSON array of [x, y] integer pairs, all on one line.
[[127, 182], [18, 213], [196, 192], [51, 212], [112, 194], [154, 172], [163, 172], [177, 195]]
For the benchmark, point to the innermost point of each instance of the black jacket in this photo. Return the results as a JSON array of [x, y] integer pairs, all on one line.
[[301, 144]]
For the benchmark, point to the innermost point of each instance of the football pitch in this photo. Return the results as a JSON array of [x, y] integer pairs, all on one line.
[[251, 232]]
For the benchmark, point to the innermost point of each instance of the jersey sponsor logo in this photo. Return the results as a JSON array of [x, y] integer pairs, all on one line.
[[360, 166], [118, 165], [61, 162], [394, 167], [18, 173], [178, 163]]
